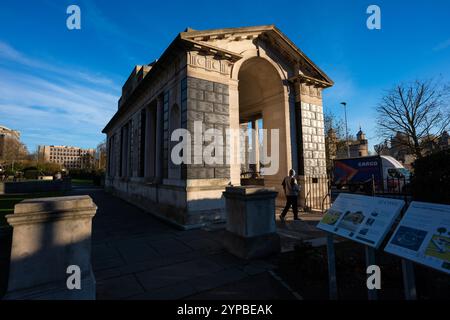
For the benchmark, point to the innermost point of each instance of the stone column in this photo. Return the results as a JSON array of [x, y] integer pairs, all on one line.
[[251, 230], [234, 145], [255, 147], [159, 140], [150, 141], [310, 145], [49, 235], [244, 145]]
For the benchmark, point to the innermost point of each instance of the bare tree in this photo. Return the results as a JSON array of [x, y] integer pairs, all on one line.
[[13, 151], [382, 148], [335, 140], [101, 156], [416, 110]]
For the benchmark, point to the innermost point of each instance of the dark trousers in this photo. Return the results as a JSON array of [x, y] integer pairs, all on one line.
[[290, 201]]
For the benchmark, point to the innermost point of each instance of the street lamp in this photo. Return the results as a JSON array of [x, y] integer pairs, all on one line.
[[346, 128]]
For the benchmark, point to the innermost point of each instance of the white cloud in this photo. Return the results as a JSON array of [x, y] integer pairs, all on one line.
[[53, 105], [8, 53]]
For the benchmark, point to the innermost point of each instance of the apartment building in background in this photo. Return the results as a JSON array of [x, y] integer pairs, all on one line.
[[68, 157]]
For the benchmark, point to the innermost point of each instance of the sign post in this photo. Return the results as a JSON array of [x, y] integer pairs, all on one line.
[[331, 267], [409, 283], [363, 219]]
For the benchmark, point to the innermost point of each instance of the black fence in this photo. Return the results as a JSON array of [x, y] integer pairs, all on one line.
[[317, 193], [320, 192]]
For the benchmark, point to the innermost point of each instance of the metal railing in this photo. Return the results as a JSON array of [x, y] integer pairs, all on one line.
[[320, 193], [317, 193]]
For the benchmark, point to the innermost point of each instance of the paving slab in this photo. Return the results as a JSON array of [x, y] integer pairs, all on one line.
[[227, 260], [137, 252], [165, 276], [170, 246], [174, 292], [217, 279], [259, 287], [118, 288], [137, 256]]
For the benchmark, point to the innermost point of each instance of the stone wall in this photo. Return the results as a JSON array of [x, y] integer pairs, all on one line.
[[208, 102], [183, 208], [311, 147]]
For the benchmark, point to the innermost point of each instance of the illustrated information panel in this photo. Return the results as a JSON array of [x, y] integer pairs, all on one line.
[[361, 218], [423, 235]]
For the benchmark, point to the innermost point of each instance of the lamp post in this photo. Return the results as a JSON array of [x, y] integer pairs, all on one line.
[[346, 128]]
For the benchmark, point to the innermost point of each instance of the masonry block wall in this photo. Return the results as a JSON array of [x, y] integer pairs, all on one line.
[[207, 102], [313, 139], [312, 145]]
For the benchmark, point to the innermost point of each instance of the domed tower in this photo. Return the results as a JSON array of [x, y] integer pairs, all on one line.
[[360, 147], [363, 144], [361, 136]]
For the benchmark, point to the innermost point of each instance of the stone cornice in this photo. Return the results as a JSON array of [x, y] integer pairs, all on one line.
[[208, 49], [301, 78], [41, 217], [192, 40], [268, 33]]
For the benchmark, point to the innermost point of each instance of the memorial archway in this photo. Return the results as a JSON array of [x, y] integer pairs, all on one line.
[[262, 105]]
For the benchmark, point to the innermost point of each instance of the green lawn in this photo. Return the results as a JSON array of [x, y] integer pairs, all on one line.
[[7, 202], [82, 182]]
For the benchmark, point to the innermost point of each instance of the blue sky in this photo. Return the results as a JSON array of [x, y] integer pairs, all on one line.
[[60, 87]]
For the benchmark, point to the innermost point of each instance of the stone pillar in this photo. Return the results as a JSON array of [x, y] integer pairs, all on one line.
[[234, 147], [255, 146], [49, 235], [251, 230], [243, 145], [310, 146], [159, 140], [150, 142]]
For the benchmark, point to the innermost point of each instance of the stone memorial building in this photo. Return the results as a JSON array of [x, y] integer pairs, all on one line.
[[252, 77]]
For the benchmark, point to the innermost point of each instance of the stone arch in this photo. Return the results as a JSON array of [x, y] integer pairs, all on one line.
[[262, 103], [252, 53]]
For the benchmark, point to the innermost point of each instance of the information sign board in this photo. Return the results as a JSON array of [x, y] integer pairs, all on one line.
[[361, 218], [423, 235]]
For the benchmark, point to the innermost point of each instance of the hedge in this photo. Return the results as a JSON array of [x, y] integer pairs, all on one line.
[[431, 179]]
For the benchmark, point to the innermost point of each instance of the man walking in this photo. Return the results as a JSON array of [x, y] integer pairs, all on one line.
[[291, 189]]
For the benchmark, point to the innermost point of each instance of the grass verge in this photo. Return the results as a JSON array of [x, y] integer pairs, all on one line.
[[7, 202]]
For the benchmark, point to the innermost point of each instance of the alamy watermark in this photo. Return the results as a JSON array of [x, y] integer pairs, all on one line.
[[374, 20], [73, 21], [374, 277], [73, 281], [214, 146]]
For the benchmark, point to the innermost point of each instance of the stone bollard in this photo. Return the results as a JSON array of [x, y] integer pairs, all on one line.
[[49, 235], [251, 230]]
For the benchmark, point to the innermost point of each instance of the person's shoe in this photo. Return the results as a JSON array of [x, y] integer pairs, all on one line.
[[281, 218], [296, 218]]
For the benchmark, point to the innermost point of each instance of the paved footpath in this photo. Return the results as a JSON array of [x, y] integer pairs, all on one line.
[[137, 256]]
